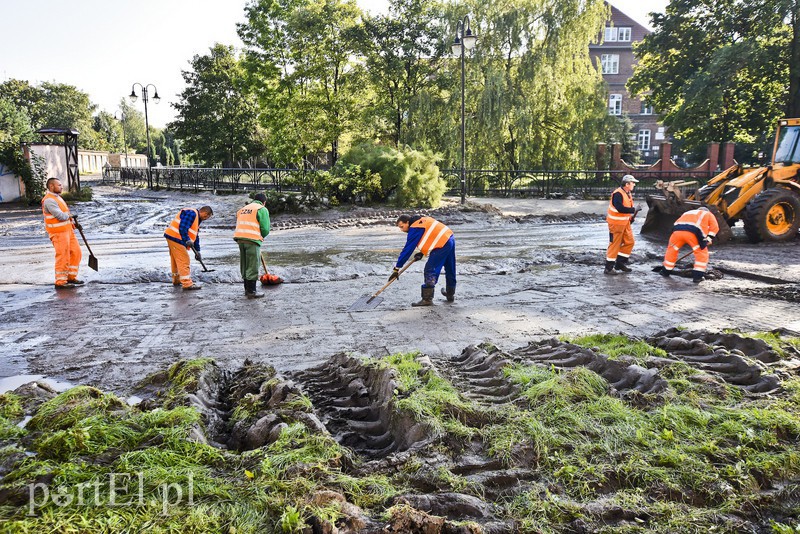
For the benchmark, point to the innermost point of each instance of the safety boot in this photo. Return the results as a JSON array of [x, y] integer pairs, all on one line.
[[609, 268], [621, 265], [251, 290], [76, 282], [68, 285], [698, 276], [449, 293], [427, 297], [665, 272]]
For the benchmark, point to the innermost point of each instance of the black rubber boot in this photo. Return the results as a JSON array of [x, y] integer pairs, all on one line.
[[609, 268], [621, 265], [251, 290], [665, 272], [449, 293], [698, 276], [427, 297]]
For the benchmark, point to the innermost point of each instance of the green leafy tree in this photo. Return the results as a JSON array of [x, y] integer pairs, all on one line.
[[108, 132], [134, 126], [217, 116], [15, 125], [722, 70]]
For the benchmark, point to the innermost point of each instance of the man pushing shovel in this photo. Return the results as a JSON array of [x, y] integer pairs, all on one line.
[[435, 240]]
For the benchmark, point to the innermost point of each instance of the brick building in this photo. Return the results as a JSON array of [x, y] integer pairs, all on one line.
[[615, 56]]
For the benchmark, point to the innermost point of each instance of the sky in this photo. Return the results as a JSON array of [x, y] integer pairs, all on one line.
[[103, 47]]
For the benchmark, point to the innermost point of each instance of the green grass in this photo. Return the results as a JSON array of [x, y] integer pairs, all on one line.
[[616, 345]]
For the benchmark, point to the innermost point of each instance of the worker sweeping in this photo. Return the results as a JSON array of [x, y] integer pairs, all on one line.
[[435, 240], [252, 226], [695, 228], [183, 235], [60, 226], [619, 218]]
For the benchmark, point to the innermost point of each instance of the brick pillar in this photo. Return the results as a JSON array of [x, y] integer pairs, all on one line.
[[666, 154], [727, 155], [616, 156], [713, 156], [600, 157]]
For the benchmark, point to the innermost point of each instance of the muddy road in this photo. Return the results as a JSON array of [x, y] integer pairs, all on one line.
[[528, 269]]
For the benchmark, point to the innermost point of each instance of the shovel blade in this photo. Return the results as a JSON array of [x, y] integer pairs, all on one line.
[[92, 262], [365, 304]]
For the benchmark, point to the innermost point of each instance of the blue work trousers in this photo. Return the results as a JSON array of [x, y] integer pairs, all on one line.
[[438, 258]]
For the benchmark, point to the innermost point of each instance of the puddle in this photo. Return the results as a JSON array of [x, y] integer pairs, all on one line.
[[10, 383]]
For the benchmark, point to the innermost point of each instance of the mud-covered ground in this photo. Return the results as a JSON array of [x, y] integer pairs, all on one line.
[[528, 270]]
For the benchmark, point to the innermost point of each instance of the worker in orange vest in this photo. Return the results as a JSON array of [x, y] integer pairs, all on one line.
[[619, 217], [252, 226], [435, 240], [183, 235], [60, 226], [695, 228]]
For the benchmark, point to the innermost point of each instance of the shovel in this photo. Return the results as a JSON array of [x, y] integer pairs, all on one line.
[[92, 259], [266, 278], [661, 267], [205, 270], [368, 302]]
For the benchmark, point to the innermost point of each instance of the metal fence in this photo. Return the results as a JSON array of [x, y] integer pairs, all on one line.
[[479, 182]]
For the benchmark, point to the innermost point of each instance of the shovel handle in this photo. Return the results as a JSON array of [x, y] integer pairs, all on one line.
[[86, 242], [205, 269], [263, 263], [407, 265]]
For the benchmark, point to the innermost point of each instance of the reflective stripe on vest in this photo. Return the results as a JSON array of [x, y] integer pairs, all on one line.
[[51, 223], [247, 225], [435, 236], [701, 219], [615, 217], [174, 228]]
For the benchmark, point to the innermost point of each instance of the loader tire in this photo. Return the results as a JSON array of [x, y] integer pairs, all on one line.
[[773, 215]]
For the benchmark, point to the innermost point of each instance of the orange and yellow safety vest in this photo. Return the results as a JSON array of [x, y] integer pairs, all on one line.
[[435, 236], [52, 224], [613, 216], [247, 225], [174, 228]]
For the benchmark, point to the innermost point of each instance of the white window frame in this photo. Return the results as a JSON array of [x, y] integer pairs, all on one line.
[[615, 104], [610, 34], [609, 63], [624, 34], [647, 109], [643, 140]]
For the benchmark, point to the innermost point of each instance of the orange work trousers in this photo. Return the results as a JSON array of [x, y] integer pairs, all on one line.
[[680, 238], [179, 258], [68, 256], [620, 241]]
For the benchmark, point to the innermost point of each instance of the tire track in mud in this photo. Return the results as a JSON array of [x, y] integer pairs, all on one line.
[[735, 359], [355, 403], [478, 374]]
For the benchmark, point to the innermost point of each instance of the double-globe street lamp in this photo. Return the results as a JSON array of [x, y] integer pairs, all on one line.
[[157, 99], [465, 40]]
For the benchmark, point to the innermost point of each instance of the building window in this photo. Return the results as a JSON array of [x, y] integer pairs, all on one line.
[[611, 33], [624, 35], [643, 139], [647, 109], [615, 104], [610, 63]]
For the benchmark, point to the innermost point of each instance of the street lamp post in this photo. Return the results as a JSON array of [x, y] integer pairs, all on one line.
[[157, 98], [465, 40], [124, 141]]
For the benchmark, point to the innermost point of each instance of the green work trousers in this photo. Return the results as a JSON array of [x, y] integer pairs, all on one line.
[[249, 253]]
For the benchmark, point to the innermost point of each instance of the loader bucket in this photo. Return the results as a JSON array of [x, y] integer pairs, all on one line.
[[662, 212]]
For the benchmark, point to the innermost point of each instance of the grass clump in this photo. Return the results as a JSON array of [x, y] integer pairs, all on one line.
[[616, 345]]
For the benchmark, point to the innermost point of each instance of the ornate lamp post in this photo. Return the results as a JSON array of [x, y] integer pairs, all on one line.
[[465, 40], [157, 99]]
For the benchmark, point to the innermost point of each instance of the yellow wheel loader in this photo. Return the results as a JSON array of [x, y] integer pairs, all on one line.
[[767, 198]]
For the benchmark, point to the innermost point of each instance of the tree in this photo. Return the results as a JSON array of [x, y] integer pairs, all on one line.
[[722, 70], [217, 116], [15, 125], [108, 132], [134, 126]]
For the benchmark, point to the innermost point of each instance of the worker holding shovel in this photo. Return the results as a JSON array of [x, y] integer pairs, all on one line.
[[435, 240], [621, 214], [695, 228], [60, 226], [252, 226], [183, 235]]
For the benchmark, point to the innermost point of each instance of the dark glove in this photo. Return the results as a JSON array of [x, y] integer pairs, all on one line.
[[75, 222], [418, 256], [635, 213], [197, 255], [189, 243], [395, 275]]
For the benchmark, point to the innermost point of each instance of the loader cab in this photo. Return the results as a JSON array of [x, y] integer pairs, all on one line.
[[787, 143]]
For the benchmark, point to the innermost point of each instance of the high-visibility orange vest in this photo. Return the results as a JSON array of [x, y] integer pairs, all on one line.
[[247, 225], [174, 228], [51, 224], [701, 219], [435, 236], [615, 217]]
